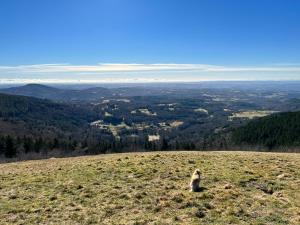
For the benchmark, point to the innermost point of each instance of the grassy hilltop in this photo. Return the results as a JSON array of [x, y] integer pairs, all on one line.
[[152, 188]]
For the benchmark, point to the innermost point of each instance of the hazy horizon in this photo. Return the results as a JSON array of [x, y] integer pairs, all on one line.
[[143, 73]]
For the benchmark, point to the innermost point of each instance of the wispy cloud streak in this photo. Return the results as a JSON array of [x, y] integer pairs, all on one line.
[[119, 68], [127, 73]]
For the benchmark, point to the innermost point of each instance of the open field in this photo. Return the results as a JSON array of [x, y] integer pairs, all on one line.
[[152, 188], [251, 114]]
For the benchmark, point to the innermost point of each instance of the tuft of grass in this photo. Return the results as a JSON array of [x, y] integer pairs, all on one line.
[[152, 188]]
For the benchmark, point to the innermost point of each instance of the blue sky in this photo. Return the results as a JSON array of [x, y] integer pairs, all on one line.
[[149, 40]]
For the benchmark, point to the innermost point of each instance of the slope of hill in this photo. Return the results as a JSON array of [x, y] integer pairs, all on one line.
[[34, 90], [37, 126], [46, 92], [152, 188], [87, 94], [38, 111], [22, 117], [277, 130]]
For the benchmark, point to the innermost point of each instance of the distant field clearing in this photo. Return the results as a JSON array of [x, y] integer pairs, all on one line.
[[251, 114]]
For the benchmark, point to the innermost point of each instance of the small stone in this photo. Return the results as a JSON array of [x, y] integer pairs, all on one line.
[[278, 194], [191, 162], [227, 186], [52, 198], [200, 213], [79, 186], [13, 196]]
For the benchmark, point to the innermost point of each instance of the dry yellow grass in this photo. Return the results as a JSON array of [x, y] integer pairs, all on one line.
[[152, 188], [251, 114]]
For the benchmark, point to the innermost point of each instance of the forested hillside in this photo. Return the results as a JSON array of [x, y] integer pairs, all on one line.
[[34, 125], [274, 131], [43, 112]]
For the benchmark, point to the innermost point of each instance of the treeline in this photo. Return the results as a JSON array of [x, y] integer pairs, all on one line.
[[27, 147], [274, 131], [11, 147]]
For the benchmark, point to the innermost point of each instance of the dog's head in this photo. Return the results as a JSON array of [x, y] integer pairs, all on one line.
[[197, 172]]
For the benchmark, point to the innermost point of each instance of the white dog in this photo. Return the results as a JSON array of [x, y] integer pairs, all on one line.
[[195, 181]]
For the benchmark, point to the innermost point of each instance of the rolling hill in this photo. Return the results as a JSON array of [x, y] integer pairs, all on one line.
[[152, 188], [56, 94], [32, 125], [34, 111], [85, 95]]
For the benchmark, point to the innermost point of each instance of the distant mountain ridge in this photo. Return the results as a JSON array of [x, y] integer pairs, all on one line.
[[88, 94], [47, 92]]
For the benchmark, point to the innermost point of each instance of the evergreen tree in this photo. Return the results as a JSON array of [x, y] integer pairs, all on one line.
[[164, 144], [2, 145], [10, 150], [38, 145], [28, 144]]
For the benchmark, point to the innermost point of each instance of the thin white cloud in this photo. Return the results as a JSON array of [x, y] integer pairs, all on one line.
[[135, 73], [119, 68], [125, 80]]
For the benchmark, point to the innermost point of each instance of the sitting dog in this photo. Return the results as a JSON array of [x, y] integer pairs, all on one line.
[[195, 181]]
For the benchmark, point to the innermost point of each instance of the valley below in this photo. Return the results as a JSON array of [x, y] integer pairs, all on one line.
[[38, 121]]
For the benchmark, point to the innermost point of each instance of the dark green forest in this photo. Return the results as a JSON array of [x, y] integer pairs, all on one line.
[[44, 112], [277, 130]]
